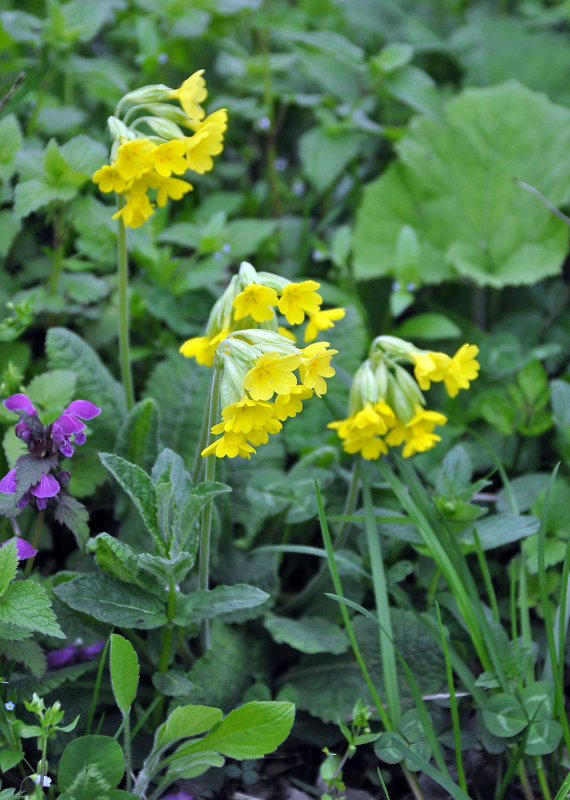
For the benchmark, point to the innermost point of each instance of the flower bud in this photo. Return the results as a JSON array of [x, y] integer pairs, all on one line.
[[396, 398], [392, 345], [408, 385], [165, 128], [381, 375], [119, 130], [152, 93]]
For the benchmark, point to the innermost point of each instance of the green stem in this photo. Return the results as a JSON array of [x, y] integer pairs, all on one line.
[[544, 787], [203, 438], [167, 636], [123, 274], [127, 741], [206, 530], [97, 685], [35, 540]]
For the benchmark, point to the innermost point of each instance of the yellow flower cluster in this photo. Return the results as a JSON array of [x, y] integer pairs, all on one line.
[[140, 162], [265, 376], [386, 403]]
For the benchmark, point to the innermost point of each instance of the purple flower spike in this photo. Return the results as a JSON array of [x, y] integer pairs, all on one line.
[[59, 658], [20, 402], [47, 487], [91, 651], [8, 483], [25, 549], [82, 409]]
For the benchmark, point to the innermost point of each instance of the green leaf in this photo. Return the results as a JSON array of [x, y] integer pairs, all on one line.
[[52, 390], [173, 683], [499, 529], [183, 722], [124, 666], [428, 326], [33, 194], [137, 440], [89, 766], [115, 557], [538, 700], [8, 564], [9, 228], [543, 737], [27, 652], [386, 747], [206, 604], [393, 56], [454, 183], [251, 731], [325, 155], [415, 88], [504, 716], [561, 401], [139, 487], [73, 514], [83, 154], [186, 764], [526, 490], [108, 600], [10, 143], [309, 634], [29, 470], [26, 604]]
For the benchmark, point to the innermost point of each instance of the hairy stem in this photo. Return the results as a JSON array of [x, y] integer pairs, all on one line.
[[123, 274]]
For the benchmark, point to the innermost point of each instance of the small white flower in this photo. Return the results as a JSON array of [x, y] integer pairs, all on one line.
[[9, 706], [37, 778]]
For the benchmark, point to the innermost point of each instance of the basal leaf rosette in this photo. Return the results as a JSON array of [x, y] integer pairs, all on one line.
[[254, 300], [386, 405], [173, 141], [265, 380]]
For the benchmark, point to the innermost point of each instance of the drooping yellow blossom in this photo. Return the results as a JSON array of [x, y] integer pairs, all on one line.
[[203, 348], [172, 188], [169, 157], [417, 434], [255, 301], [206, 142], [289, 405], [298, 299], [361, 431], [315, 366], [272, 373], [136, 210], [231, 444], [462, 369], [246, 415], [322, 320], [109, 179], [429, 367], [134, 158], [190, 94]]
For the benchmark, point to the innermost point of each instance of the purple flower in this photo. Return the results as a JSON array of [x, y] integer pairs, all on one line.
[[69, 424], [24, 548], [46, 488], [181, 795], [91, 651], [8, 483], [59, 658], [19, 402]]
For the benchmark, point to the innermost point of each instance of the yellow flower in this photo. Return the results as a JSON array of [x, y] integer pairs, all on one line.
[[417, 434], [462, 368], [136, 210], [289, 405], [298, 299], [315, 366], [133, 158], [429, 367], [206, 142], [370, 447], [261, 435], [246, 415], [255, 301], [169, 157], [361, 430], [172, 188], [272, 373], [109, 179], [288, 334], [322, 321], [190, 94], [203, 348], [231, 444]]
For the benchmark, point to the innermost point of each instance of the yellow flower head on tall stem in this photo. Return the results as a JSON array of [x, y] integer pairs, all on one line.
[[169, 157], [134, 158], [417, 434], [315, 366], [136, 210], [272, 373], [190, 94], [255, 301], [430, 366], [298, 299], [109, 179]]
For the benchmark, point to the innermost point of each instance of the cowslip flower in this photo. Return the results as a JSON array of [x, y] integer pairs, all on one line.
[[386, 405], [144, 162]]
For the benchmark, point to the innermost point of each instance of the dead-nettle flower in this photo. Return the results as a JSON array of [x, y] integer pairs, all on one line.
[[36, 476]]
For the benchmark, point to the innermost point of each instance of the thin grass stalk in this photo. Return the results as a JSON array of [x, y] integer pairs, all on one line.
[[550, 671], [391, 690], [484, 567], [562, 618], [544, 787], [512, 768], [123, 276], [344, 613], [564, 789], [97, 684], [526, 633], [452, 704]]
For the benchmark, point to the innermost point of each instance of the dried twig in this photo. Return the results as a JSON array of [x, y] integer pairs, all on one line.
[[546, 202], [15, 85]]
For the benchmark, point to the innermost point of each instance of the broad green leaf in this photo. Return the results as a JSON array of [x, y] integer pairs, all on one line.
[[386, 748], [308, 635], [124, 667], [454, 183], [561, 401], [173, 683], [89, 766], [415, 88], [73, 514], [454, 477], [538, 700], [428, 326], [185, 764], [138, 486], [52, 390], [393, 56], [499, 529], [27, 652], [526, 489], [115, 557], [26, 604], [543, 737], [10, 143], [83, 154], [183, 722], [504, 716], [85, 288], [32, 194], [251, 731], [108, 600], [137, 440], [205, 604], [8, 564], [9, 229], [325, 155]]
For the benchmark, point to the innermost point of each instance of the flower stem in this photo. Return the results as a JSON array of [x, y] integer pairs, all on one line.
[[206, 530], [35, 540], [164, 659], [123, 273]]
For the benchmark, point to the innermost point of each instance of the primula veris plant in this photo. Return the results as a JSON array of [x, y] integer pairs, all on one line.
[[265, 376], [386, 405], [180, 139]]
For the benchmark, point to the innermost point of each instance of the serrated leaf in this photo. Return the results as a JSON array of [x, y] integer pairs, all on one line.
[[73, 514], [52, 390], [108, 600], [137, 440], [251, 731], [32, 194], [8, 564], [308, 635], [206, 604], [83, 154], [138, 485], [27, 652], [454, 183], [26, 604], [124, 668], [115, 557]]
